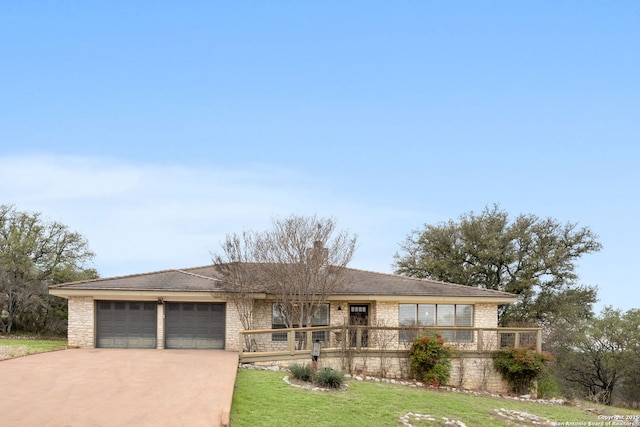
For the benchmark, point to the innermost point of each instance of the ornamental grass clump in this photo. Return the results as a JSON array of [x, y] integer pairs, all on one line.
[[328, 377], [430, 360], [520, 367], [301, 372]]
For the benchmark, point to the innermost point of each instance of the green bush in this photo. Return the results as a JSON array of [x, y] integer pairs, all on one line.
[[520, 367], [301, 372], [328, 377], [548, 386], [430, 359]]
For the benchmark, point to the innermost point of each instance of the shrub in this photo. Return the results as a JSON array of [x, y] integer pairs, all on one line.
[[548, 386], [328, 377], [520, 367], [430, 359], [301, 372]]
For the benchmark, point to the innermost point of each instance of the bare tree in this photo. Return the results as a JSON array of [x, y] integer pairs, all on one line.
[[301, 260], [239, 276]]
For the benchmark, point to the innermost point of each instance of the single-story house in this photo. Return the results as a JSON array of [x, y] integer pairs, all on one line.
[[187, 309]]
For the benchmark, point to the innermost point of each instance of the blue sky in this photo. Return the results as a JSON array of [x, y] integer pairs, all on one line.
[[155, 128]]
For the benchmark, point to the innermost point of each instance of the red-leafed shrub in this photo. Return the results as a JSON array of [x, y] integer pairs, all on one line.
[[520, 367], [430, 360]]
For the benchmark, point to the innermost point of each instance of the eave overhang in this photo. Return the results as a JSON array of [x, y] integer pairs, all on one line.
[[145, 295], [425, 299], [176, 295]]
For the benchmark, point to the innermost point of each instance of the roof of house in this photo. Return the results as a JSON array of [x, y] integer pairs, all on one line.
[[207, 279]]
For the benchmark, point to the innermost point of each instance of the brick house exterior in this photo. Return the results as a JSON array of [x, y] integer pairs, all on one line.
[[187, 308]]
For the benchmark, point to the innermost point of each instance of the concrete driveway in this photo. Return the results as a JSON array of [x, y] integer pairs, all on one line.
[[104, 387]]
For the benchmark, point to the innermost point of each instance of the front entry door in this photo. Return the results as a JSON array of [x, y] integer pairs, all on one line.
[[359, 316]]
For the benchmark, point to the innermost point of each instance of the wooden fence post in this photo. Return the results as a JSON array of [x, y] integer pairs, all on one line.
[[291, 342], [539, 340]]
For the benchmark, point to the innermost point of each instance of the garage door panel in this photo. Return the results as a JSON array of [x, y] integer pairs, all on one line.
[[195, 325], [126, 324]]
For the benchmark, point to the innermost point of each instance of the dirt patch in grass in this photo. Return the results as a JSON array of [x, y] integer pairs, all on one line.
[[9, 352]]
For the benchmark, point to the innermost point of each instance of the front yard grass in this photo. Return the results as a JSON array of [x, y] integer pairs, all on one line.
[[262, 398], [16, 347]]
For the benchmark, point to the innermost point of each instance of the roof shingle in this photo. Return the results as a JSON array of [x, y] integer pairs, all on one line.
[[358, 282]]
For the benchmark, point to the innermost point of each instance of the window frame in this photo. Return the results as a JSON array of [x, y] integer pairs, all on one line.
[[315, 321], [452, 319]]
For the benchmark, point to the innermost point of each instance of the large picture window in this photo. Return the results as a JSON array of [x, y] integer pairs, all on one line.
[[320, 318], [438, 315]]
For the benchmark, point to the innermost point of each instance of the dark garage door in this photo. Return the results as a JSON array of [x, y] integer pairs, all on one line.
[[126, 324], [194, 325]]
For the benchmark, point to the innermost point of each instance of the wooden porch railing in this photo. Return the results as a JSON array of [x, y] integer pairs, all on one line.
[[295, 343]]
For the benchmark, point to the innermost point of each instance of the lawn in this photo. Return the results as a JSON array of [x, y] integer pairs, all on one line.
[[10, 348], [262, 398]]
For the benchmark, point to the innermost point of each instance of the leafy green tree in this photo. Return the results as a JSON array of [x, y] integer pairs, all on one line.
[[47, 314], [532, 257], [630, 392], [33, 254], [600, 355]]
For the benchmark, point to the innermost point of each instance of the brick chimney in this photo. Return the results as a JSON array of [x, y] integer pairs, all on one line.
[[318, 254]]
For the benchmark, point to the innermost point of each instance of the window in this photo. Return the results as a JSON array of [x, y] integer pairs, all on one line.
[[464, 317], [437, 315], [320, 318]]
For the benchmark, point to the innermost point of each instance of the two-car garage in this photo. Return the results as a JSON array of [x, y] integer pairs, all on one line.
[[134, 324]]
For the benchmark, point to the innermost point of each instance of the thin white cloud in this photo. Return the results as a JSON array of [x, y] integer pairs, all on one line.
[[144, 217], [49, 178]]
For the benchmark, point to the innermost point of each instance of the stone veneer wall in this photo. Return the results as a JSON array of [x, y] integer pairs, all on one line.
[[262, 313], [81, 322], [486, 315], [233, 326], [338, 317], [160, 327], [386, 314], [471, 370], [476, 372]]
